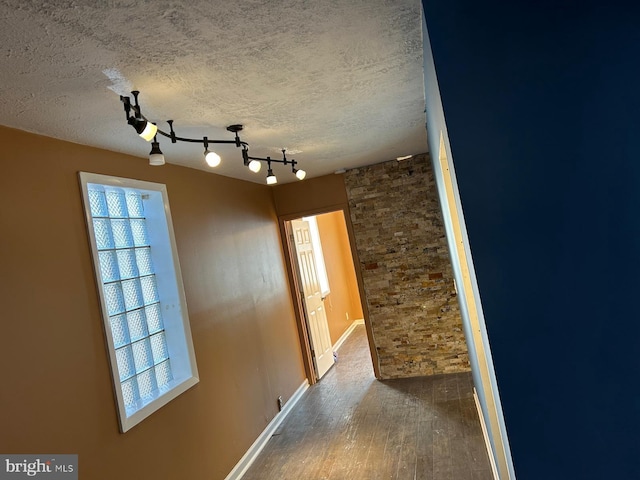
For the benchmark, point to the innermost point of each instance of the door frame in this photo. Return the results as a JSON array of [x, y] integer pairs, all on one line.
[[284, 222]]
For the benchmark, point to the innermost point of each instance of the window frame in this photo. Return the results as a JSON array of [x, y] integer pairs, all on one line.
[[178, 325]]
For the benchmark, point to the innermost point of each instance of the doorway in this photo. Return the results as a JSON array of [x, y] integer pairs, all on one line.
[[326, 286]]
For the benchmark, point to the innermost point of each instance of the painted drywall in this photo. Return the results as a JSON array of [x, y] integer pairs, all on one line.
[[469, 300], [56, 394], [316, 195], [342, 304], [541, 104]]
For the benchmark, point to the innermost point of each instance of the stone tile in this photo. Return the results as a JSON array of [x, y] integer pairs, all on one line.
[[408, 280]]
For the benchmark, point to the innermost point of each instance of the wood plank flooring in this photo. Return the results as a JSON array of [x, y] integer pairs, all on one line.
[[350, 426]]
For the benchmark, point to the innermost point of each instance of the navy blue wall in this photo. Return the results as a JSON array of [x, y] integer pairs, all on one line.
[[542, 103]]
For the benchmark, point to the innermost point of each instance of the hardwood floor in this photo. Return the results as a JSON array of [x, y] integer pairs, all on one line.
[[350, 426]]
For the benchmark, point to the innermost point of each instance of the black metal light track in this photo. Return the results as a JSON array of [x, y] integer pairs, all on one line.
[[149, 131]]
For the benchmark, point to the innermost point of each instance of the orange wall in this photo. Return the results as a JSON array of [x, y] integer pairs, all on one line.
[[56, 394], [344, 297]]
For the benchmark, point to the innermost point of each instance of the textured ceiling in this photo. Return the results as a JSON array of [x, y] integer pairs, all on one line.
[[339, 83]]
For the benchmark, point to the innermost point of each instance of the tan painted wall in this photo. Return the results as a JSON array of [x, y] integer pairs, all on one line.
[[344, 297], [312, 196], [56, 394]]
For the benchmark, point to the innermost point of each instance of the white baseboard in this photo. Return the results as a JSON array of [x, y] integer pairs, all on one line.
[[249, 457], [347, 332], [492, 460]]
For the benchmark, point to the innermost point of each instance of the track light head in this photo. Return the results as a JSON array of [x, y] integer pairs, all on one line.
[[155, 155], [145, 129], [212, 158], [254, 166], [300, 174], [271, 178]]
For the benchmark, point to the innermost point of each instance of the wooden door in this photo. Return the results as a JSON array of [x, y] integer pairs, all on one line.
[[321, 347]]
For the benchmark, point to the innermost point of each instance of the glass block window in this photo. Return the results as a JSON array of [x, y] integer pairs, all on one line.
[[129, 281], [134, 254]]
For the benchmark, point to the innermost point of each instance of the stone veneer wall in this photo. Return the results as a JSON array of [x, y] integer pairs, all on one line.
[[408, 280]]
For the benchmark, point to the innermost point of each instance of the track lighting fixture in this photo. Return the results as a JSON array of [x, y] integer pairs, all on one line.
[[149, 132], [271, 178]]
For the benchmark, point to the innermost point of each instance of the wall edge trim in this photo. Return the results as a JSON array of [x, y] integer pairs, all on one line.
[[485, 434], [254, 450]]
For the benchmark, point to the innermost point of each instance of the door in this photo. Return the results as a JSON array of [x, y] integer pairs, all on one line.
[[313, 301]]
